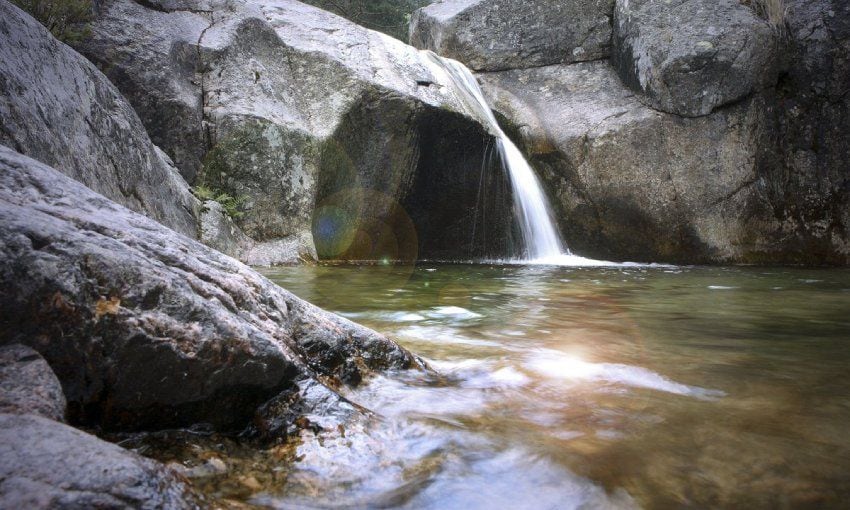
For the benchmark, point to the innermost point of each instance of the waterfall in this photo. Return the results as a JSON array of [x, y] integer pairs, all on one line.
[[541, 241]]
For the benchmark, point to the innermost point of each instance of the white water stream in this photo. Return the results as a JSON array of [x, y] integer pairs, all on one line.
[[541, 241]]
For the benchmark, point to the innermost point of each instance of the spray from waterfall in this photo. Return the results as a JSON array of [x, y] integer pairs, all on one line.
[[541, 241]]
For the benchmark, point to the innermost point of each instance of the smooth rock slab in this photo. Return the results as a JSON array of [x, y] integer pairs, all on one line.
[[149, 329], [494, 35], [56, 107], [45, 464], [689, 57], [28, 385]]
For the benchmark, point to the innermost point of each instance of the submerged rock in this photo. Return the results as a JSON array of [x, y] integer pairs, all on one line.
[[494, 35], [326, 128], [148, 329], [58, 108], [689, 57], [28, 385], [46, 464]]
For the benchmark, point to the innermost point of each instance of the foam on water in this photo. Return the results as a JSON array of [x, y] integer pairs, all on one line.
[[563, 366], [454, 312]]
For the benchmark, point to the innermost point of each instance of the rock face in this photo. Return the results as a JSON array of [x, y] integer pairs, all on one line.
[[58, 108], [763, 179], [810, 187], [493, 35], [325, 127], [28, 385], [50, 465], [629, 182], [689, 57], [105, 294]]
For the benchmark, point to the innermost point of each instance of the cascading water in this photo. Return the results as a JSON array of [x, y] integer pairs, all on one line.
[[541, 240]]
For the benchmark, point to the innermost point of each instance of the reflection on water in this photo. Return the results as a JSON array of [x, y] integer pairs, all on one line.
[[588, 388]]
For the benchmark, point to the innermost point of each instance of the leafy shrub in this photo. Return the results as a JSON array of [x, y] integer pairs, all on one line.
[[231, 205], [388, 16], [67, 20]]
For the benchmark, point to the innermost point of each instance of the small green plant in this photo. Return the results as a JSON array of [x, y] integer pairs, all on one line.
[[67, 20], [231, 205]]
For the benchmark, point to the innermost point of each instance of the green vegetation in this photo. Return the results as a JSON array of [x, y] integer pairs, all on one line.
[[232, 205], [67, 20], [388, 16]]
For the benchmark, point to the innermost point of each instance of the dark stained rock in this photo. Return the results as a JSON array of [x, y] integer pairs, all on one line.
[[46, 464], [310, 118], [28, 385], [495, 35], [56, 107], [689, 57], [146, 328], [810, 177]]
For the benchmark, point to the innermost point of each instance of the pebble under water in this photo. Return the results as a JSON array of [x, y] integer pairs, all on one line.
[[618, 387]]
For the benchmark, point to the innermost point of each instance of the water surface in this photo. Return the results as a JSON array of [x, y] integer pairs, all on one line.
[[590, 388]]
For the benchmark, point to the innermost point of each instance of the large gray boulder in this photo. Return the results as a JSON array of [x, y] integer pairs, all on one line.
[[47, 465], [28, 385], [55, 106], [493, 35], [629, 182], [149, 329], [689, 57], [325, 127]]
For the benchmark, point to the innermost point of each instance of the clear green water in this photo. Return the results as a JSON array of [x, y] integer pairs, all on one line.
[[594, 387]]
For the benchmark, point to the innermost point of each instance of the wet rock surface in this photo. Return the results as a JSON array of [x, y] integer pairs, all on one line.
[[148, 329], [59, 109], [46, 464], [689, 57], [298, 111], [28, 385], [493, 35]]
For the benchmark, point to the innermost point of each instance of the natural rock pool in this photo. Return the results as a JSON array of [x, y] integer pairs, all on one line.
[[624, 387]]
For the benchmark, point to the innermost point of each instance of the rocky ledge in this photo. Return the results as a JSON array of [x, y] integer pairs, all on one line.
[[105, 294]]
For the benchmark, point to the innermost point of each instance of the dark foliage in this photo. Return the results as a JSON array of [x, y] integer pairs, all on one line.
[[388, 16], [67, 20]]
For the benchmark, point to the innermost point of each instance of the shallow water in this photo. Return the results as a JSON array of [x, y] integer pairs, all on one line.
[[590, 387]]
